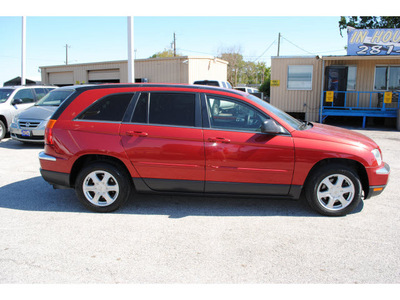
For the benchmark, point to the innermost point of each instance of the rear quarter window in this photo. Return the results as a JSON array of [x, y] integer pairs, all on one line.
[[110, 108]]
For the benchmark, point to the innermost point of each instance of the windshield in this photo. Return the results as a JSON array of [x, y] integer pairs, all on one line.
[[279, 113], [4, 94], [54, 98], [207, 82]]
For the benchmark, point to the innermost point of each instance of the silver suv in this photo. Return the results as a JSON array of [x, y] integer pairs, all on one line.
[[14, 99]]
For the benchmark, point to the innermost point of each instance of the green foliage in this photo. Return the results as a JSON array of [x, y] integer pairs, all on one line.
[[241, 71], [368, 22], [165, 53], [266, 87]]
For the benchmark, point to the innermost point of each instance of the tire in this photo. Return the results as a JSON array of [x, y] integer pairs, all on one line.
[[103, 187], [3, 130], [334, 190]]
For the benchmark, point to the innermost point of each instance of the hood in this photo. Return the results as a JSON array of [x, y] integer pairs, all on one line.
[[336, 134], [37, 112]]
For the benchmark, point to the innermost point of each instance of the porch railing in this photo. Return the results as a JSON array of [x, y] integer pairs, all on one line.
[[360, 104]]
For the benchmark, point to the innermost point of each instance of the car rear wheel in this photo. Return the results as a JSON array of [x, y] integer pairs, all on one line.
[[334, 190], [103, 187]]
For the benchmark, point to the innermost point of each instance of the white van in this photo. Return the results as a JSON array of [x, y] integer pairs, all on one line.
[[223, 84], [246, 89]]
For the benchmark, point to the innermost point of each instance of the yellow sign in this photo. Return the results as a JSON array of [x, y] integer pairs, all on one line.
[[329, 96], [275, 82], [388, 97]]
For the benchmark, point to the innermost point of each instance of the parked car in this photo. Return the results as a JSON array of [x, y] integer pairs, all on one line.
[[246, 89], [108, 141], [14, 99], [28, 126], [223, 84]]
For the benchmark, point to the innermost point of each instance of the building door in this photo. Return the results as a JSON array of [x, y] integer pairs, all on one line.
[[336, 80]]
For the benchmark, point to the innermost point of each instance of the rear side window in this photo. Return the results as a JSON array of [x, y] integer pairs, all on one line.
[[165, 109], [110, 108], [40, 93]]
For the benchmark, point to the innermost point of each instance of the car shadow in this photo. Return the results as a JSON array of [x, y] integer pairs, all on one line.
[[8, 143], [35, 194]]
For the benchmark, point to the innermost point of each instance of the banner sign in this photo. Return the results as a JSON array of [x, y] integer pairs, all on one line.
[[367, 42]]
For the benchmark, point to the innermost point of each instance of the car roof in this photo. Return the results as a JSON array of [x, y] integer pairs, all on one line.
[[154, 85], [14, 87]]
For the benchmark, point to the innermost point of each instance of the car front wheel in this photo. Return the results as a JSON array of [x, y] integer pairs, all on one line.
[[3, 130], [102, 187], [334, 190]]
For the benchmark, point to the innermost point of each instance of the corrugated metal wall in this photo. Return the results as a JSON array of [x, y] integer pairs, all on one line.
[[299, 101], [202, 68], [158, 70]]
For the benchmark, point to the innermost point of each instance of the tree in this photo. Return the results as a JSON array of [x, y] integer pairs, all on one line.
[[368, 22], [266, 87], [165, 53], [235, 59]]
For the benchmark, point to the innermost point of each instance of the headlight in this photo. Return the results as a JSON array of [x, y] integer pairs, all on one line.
[[377, 155]]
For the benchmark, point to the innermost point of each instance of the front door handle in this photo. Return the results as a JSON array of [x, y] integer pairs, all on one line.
[[219, 140], [137, 133]]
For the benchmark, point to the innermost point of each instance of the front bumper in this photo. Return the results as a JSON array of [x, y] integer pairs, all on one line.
[[383, 173], [33, 133]]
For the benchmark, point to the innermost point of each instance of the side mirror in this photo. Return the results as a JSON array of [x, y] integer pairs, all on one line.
[[16, 101], [270, 126]]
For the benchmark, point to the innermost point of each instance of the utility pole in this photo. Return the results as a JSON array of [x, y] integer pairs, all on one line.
[[174, 45], [131, 49], [279, 42], [66, 53], [23, 50]]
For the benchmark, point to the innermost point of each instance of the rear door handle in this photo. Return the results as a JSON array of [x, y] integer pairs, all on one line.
[[219, 140], [137, 133]]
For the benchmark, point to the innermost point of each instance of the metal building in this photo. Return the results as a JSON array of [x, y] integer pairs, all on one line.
[[364, 83], [182, 69], [354, 86]]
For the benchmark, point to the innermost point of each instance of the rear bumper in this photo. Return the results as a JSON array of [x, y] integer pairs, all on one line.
[[57, 179], [383, 173]]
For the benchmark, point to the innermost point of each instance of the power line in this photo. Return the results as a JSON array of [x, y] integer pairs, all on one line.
[[296, 45], [265, 51]]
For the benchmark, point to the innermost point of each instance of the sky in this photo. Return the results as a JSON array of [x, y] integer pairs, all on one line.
[[101, 35]]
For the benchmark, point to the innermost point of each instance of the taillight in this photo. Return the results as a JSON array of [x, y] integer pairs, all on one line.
[[48, 133]]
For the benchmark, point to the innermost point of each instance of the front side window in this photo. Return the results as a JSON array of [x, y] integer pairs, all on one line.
[[165, 109], [300, 77], [387, 78], [110, 108], [25, 95], [230, 114]]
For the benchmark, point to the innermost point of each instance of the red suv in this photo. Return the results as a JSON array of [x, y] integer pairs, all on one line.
[[108, 141]]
